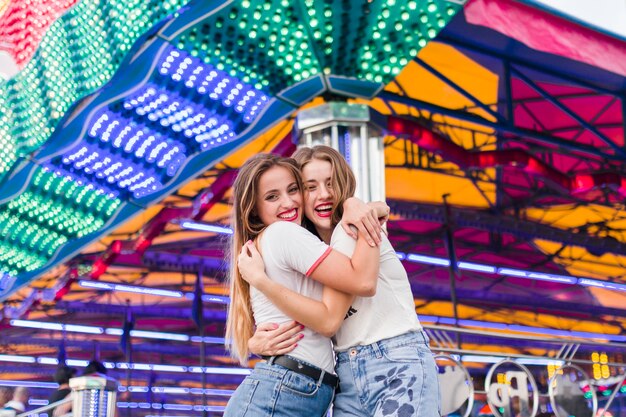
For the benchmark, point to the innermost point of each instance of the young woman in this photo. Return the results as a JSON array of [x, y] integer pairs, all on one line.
[[267, 212], [384, 365]]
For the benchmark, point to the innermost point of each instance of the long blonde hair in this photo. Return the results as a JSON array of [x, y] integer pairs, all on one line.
[[342, 180], [246, 226]]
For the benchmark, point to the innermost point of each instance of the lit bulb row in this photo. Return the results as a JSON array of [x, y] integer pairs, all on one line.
[[74, 192], [7, 148], [80, 53], [214, 83], [174, 112], [24, 23], [260, 46], [62, 219], [14, 260], [399, 32], [27, 235], [115, 170], [384, 42], [151, 148]]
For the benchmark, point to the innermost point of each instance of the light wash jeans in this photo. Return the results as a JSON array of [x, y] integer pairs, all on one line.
[[274, 391], [395, 377]]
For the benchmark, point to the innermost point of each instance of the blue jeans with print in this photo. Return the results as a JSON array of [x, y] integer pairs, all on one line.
[[274, 391], [395, 377]]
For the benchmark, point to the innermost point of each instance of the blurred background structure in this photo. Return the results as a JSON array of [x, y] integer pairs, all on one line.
[[500, 124]]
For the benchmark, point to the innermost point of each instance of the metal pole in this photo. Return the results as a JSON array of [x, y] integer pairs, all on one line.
[[129, 360], [202, 345], [452, 269]]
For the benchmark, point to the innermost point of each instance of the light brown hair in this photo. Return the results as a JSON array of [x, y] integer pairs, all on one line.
[[342, 179], [246, 226]]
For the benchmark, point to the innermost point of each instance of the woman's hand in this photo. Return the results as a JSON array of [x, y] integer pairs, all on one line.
[[250, 264], [382, 211], [364, 217], [271, 339]]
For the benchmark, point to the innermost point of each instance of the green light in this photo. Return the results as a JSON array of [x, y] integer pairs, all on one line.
[[78, 54]]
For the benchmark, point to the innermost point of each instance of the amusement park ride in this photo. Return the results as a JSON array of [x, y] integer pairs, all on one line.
[[494, 129]]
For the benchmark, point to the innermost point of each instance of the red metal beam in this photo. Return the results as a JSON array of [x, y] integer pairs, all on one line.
[[513, 158]]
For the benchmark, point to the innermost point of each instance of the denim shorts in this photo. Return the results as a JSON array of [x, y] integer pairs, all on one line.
[[395, 377], [274, 391]]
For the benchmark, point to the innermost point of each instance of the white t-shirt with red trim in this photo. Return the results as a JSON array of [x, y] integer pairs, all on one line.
[[291, 253], [389, 313]]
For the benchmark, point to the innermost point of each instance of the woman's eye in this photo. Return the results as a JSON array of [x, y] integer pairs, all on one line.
[[311, 188], [294, 190], [270, 197]]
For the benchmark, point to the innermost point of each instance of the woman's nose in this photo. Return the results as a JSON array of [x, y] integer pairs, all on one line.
[[287, 201], [325, 192]]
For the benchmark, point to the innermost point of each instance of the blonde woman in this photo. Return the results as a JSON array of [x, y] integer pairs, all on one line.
[[267, 213], [384, 364]]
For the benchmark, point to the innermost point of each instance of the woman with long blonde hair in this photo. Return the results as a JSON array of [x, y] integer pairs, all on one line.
[[267, 214], [384, 364]]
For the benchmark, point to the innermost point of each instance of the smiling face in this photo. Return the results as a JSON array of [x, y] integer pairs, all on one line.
[[278, 197], [319, 196]]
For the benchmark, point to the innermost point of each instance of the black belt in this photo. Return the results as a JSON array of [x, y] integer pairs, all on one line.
[[303, 369]]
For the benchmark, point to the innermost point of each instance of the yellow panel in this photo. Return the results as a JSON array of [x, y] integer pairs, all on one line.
[[570, 216], [525, 318], [428, 187], [418, 83]]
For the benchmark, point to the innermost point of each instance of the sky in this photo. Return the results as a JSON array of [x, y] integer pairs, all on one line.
[[607, 14]]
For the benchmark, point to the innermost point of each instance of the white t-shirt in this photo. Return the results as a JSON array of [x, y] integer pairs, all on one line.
[[389, 313], [291, 253]]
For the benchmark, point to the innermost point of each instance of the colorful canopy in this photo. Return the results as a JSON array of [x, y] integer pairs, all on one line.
[[513, 113]]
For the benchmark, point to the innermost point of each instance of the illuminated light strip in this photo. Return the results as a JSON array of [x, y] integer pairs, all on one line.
[[523, 361], [602, 284], [428, 260], [110, 286], [17, 358], [121, 388], [116, 332], [174, 407], [219, 370], [512, 272], [151, 335], [28, 384], [520, 328], [469, 266], [136, 366], [204, 227], [42, 325], [208, 298]]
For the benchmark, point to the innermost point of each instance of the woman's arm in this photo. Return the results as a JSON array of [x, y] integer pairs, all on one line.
[[357, 275], [272, 339], [324, 317]]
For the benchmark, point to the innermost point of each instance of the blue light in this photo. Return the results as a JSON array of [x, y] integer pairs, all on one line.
[[602, 284], [469, 266], [430, 260], [205, 227], [210, 82]]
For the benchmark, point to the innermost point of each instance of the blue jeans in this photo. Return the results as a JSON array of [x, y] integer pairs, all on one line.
[[395, 377], [274, 391]]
